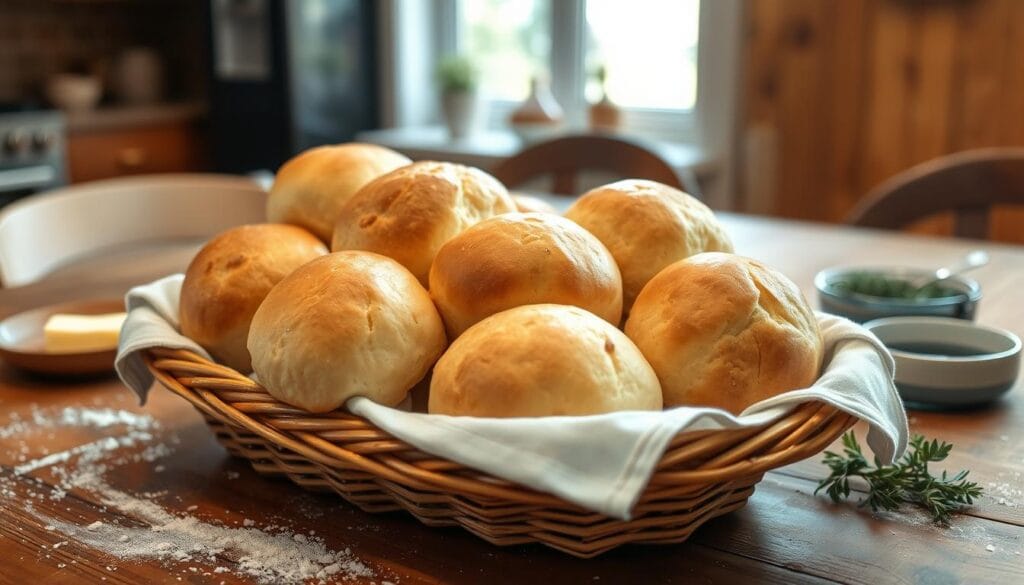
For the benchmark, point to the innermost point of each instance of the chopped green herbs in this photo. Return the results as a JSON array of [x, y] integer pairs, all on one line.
[[877, 285]]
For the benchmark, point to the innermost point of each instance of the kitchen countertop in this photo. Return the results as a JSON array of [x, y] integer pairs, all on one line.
[[109, 117]]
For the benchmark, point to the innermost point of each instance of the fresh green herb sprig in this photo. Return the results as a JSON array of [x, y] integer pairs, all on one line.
[[908, 480]]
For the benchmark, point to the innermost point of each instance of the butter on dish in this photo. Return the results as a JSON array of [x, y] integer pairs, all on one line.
[[64, 333]]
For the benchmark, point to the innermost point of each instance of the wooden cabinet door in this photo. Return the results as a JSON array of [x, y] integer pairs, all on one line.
[[113, 153]]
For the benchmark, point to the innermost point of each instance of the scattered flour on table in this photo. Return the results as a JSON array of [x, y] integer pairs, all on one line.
[[39, 419], [264, 555], [1009, 490], [93, 450]]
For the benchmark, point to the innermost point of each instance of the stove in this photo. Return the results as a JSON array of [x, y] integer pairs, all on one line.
[[32, 151]]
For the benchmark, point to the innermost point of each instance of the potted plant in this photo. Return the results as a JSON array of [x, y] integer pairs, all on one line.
[[458, 78]]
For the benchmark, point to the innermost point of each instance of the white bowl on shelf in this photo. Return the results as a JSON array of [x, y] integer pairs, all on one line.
[[74, 93]]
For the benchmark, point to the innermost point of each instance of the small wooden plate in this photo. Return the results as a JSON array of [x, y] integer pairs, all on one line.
[[21, 340]]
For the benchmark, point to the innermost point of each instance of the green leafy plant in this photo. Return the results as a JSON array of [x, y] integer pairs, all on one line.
[[457, 74], [908, 480]]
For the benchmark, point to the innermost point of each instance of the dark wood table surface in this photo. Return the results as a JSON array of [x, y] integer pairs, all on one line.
[[785, 534]]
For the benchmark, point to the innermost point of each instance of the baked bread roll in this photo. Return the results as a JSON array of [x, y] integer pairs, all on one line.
[[542, 360], [725, 331], [347, 324], [310, 188], [530, 204], [229, 278], [409, 213], [523, 259], [647, 226]]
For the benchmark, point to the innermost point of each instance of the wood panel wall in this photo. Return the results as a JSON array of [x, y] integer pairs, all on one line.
[[840, 95]]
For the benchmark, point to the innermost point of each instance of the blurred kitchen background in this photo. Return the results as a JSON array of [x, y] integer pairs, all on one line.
[[793, 108]]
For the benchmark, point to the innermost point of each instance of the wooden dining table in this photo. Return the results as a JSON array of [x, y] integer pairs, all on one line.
[[785, 534]]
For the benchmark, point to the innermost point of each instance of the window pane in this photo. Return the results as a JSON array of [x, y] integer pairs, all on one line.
[[649, 51], [509, 42]]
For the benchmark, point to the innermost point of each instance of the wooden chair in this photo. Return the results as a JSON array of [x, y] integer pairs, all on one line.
[[969, 184], [40, 233], [564, 158]]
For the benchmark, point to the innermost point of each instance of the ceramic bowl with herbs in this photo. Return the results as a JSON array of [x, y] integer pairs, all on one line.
[[862, 294]]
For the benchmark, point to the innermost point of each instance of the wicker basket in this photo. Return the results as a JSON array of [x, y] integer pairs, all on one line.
[[703, 474]]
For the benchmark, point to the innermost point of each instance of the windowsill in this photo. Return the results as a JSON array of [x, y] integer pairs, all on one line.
[[487, 147]]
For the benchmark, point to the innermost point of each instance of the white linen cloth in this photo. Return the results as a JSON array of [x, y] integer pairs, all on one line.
[[599, 462]]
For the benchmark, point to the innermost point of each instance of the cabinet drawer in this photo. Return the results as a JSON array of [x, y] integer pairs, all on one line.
[[159, 149]]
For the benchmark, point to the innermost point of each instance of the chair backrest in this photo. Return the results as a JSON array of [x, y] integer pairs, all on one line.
[[564, 158], [41, 232], [967, 183]]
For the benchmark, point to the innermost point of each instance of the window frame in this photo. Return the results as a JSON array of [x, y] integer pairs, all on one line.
[[415, 33], [567, 69]]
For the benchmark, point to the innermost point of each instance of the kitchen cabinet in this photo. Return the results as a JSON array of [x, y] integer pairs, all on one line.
[[105, 152]]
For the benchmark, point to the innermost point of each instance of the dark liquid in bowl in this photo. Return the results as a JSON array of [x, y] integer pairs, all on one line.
[[931, 348]]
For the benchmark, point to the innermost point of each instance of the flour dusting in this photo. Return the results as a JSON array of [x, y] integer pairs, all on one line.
[[1007, 493], [179, 540]]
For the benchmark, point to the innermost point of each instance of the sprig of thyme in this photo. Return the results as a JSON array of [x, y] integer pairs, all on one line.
[[908, 480]]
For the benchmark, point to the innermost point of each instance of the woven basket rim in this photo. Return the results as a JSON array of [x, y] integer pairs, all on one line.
[[343, 440]]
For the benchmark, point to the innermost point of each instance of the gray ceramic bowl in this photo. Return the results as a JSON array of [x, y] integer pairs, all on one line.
[[980, 365], [860, 307]]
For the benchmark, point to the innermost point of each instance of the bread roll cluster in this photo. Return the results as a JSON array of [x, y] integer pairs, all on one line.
[[439, 278]]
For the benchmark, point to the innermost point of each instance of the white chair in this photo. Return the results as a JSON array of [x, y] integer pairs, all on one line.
[[42, 232]]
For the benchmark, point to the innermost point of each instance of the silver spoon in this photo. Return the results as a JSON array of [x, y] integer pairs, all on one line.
[[975, 259]]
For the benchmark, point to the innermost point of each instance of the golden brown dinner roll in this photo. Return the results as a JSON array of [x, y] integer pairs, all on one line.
[[228, 279], [523, 259], [409, 213], [310, 188], [725, 331], [347, 324], [530, 204], [647, 226], [542, 360]]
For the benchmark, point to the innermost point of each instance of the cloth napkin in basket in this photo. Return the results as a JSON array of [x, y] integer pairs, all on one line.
[[600, 462]]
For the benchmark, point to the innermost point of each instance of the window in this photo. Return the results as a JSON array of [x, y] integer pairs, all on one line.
[[648, 49], [673, 65], [509, 41]]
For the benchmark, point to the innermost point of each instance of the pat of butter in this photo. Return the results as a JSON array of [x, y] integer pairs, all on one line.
[[81, 333]]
